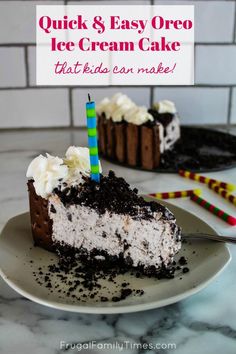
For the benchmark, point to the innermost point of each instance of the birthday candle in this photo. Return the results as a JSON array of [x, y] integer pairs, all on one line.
[[177, 194], [206, 180], [213, 209], [223, 193], [92, 139]]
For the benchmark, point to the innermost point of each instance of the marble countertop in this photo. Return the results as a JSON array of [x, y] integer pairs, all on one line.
[[204, 323]]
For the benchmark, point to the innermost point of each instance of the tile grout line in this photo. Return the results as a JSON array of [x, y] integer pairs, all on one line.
[[84, 128], [230, 103], [43, 128], [234, 27], [151, 96], [52, 87], [71, 108], [26, 62], [152, 88], [230, 107]]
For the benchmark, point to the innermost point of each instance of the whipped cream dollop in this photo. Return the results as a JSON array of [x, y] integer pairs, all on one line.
[[165, 106], [77, 160], [121, 107], [138, 115], [48, 172], [116, 107]]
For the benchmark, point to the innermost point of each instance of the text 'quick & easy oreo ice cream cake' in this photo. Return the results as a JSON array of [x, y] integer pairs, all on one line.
[[101, 222]]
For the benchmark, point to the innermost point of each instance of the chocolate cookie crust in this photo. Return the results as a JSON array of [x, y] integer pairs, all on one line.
[[41, 224]]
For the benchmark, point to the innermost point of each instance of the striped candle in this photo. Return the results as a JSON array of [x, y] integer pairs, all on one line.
[[177, 194], [206, 180], [213, 209], [92, 139]]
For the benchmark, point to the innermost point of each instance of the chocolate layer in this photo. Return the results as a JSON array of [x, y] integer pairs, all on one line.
[[120, 133], [102, 133], [41, 224], [111, 142], [126, 142], [133, 144], [147, 154], [156, 146]]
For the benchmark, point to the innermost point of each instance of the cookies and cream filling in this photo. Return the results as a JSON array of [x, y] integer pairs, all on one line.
[[151, 242], [165, 113], [112, 218], [172, 133]]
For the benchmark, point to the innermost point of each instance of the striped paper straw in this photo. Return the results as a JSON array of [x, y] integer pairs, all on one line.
[[206, 180], [177, 194], [213, 209], [92, 140], [223, 193]]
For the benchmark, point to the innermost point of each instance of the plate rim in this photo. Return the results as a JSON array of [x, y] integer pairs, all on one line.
[[123, 308]]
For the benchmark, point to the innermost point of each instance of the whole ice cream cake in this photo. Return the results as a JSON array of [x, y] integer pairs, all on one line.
[[134, 135], [101, 222]]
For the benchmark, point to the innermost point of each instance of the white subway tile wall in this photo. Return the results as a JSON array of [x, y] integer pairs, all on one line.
[[31, 62], [34, 108], [214, 20], [211, 101], [12, 67], [17, 20], [197, 105], [215, 65]]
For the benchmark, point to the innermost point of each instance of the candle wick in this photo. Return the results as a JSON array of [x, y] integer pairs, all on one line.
[[89, 98]]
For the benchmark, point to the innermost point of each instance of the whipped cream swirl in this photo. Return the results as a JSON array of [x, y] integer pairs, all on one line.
[[48, 172], [121, 107], [77, 160], [138, 115], [165, 106]]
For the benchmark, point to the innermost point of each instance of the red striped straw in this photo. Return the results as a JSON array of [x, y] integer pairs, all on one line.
[[176, 194], [214, 210], [206, 180], [223, 193]]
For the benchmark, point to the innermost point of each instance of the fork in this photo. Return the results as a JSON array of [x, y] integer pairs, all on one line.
[[203, 236]]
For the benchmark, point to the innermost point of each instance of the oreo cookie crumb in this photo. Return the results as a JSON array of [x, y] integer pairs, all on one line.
[[81, 275], [104, 298], [113, 194], [185, 270], [52, 209], [69, 217], [182, 261]]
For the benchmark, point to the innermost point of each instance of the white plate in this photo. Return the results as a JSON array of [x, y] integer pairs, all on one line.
[[16, 251]]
